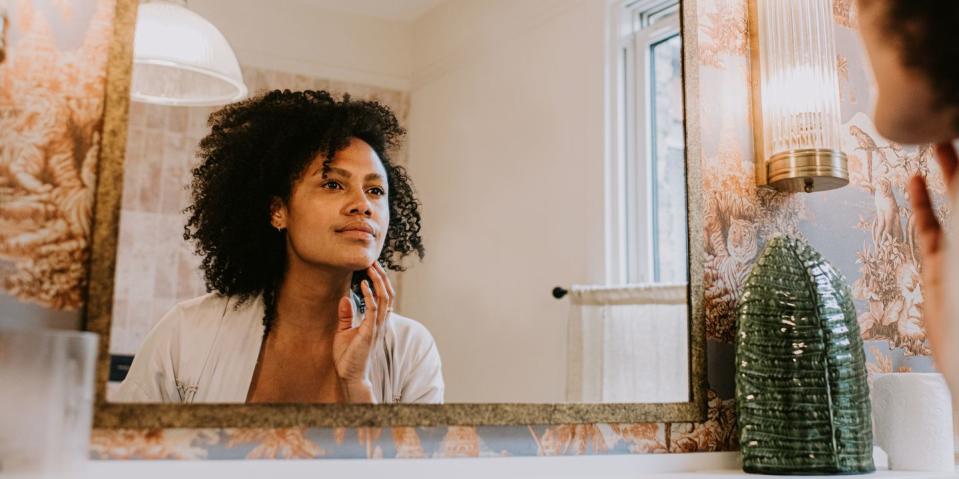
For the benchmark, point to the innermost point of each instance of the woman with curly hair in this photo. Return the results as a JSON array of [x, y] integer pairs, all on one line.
[[296, 204], [915, 59]]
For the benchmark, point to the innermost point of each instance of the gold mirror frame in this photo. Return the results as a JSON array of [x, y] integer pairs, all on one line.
[[97, 315]]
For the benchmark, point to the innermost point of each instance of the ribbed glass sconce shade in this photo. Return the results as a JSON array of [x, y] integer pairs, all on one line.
[[179, 58], [799, 85]]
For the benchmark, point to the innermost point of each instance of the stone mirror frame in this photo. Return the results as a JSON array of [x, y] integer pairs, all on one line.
[[97, 316]]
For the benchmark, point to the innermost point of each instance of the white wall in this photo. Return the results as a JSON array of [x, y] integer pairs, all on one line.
[[298, 37], [506, 151]]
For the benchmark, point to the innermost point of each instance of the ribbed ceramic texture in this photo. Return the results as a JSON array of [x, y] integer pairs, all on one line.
[[802, 399]]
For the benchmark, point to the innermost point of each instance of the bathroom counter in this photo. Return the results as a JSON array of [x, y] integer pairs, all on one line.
[[721, 465]]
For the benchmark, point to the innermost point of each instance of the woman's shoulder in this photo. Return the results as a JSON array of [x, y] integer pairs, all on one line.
[[418, 371], [407, 325], [210, 302], [205, 311], [177, 348], [409, 331]]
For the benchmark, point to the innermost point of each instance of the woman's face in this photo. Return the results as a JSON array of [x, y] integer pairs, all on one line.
[[906, 108], [341, 220]]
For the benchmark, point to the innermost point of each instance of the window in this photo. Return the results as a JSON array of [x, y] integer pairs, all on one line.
[[652, 150]]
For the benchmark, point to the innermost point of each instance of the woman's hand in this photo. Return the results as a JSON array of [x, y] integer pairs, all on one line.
[[933, 250], [352, 346]]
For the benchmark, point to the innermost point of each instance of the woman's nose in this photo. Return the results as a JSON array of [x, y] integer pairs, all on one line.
[[360, 204]]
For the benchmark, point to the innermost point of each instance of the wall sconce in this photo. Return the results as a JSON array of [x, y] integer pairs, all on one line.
[[796, 96]]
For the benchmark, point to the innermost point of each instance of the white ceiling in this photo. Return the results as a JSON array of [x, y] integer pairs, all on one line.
[[396, 10]]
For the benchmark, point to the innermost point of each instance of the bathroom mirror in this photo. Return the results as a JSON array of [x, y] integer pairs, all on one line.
[[557, 177]]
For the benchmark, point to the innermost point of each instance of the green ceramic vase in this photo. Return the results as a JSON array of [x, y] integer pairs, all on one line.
[[802, 400]]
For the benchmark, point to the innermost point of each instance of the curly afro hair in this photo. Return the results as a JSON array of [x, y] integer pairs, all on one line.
[[256, 151], [923, 30]]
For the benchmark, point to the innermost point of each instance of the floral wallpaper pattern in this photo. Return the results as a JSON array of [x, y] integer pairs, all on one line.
[[53, 104], [889, 260], [52, 84]]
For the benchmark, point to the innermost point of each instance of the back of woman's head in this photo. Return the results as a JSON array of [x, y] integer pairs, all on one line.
[[925, 31], [916, 60]]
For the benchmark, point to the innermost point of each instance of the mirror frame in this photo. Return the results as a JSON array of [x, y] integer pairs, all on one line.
[[97, 315]]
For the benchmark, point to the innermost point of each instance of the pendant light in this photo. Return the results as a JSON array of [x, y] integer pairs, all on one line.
[[181, 59]]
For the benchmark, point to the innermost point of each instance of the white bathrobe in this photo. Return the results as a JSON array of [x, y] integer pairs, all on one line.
[[205, 350]]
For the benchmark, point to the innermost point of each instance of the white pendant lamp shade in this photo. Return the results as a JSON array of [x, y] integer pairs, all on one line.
[[179, 58]]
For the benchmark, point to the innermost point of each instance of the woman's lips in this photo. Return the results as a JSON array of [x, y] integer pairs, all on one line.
[[357, 234]]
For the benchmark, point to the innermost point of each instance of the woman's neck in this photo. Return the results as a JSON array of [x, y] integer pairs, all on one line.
[[308, 298]]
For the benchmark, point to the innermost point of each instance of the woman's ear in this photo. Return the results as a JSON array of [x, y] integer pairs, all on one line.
[[278, 214]]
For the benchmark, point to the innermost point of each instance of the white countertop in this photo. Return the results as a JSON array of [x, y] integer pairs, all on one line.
[[665, 466]]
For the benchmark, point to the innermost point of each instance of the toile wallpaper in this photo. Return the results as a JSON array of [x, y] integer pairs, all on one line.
[[52, 85], [50, 115]]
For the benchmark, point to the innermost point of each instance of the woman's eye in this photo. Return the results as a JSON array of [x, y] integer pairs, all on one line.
[[377, 191], [334, 183]]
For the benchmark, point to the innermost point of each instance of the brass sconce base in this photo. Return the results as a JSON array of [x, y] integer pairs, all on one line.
[[808, 170]]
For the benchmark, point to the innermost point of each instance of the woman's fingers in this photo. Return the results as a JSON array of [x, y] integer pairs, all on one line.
[[386, 279], [371, 309], [928, 228], [948, 161], [383, 295]]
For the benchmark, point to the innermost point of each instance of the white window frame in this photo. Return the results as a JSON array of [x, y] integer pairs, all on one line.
[[636, 26]]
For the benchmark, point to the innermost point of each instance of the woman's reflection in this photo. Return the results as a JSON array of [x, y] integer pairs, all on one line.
[[294, 200]]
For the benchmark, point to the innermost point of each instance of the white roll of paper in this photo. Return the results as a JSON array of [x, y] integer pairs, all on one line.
[[912, 413]]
